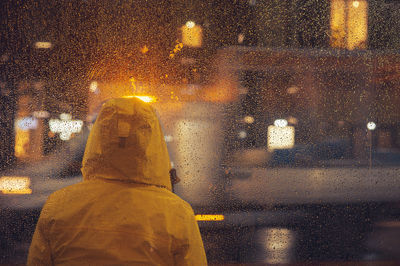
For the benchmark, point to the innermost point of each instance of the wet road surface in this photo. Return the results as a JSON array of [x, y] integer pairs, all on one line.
[[327, 235]]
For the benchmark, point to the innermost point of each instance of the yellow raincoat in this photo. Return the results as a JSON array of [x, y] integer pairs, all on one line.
[[123, 213]]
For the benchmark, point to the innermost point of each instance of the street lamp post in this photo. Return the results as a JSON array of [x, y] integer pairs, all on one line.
[[371, 127]]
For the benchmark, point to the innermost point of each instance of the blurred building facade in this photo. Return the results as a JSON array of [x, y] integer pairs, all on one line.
[[365, 30], [147, 41]]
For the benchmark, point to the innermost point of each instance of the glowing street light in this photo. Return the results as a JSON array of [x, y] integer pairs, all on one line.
[[190, 24], [280, 123], [93, 86], [371, 126]]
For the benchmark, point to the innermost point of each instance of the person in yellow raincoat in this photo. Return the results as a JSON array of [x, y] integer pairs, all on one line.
[[123, 212]]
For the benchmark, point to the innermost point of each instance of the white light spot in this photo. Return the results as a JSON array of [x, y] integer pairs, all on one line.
[[356, 4], [190, 24], [168, 138], [242, 134], [93, 86], [65, 135], [65, 127], [27, 123], [248, 119], [65, 116], [280, 122], [371, 126]]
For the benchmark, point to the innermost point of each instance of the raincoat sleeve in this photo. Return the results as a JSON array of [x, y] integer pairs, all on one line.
[[39, 251], [194, 253]]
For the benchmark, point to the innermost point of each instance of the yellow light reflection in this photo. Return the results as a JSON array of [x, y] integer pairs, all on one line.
[[338, 28], [210, 217], [15, 185], [357, 24], [93, 86], [278, 244], [144, 98], [22, 138], [192, 36]]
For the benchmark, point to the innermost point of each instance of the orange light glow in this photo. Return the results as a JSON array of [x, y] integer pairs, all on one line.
[[144, 98], [144, 49], [210, 217], [15, 185]]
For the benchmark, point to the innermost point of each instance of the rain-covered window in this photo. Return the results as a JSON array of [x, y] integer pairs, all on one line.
[[281, 118]]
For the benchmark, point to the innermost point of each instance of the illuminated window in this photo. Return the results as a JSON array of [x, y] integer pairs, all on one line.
[[349, 24]]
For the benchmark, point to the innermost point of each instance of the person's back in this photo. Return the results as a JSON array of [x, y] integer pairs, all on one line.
[[124, 212]]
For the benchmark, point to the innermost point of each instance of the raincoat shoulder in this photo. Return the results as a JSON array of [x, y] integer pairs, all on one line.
[[123, 212]]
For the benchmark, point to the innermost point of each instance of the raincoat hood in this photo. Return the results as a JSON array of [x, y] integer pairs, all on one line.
[[126, 143]]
